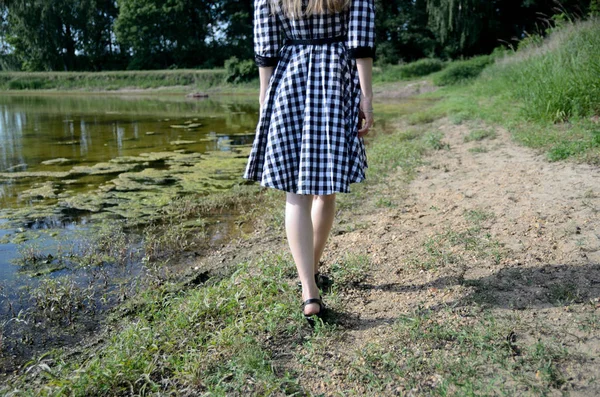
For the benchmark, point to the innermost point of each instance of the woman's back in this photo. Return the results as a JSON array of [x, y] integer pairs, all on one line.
[[317, 26]]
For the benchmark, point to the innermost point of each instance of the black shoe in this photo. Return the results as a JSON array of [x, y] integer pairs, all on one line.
[[323, 282], [310, 318]]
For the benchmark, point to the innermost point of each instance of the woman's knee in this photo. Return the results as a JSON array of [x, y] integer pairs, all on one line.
[[330, 198], [299, 199]]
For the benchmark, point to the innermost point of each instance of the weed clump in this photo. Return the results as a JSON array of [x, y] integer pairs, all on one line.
[[461, 71], [558, 79], [422, 67]]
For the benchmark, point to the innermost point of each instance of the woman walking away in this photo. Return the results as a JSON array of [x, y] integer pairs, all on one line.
[[315, 61]]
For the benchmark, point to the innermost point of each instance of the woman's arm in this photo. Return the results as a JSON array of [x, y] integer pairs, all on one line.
[[365, 75], [265, 74], [361, 46]]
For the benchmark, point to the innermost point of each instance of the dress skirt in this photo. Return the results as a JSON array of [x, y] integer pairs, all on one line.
[[307, 136]]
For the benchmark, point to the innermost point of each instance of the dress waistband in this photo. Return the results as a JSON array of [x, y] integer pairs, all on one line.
[[324, 41]]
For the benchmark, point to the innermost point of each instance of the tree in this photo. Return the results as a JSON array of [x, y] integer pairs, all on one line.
[[460, 24], [162, 34], [594, 8], [96, 41], [402, 31], [234, 33]]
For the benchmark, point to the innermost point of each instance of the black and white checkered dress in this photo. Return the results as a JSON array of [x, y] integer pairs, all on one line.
[[307, 137]]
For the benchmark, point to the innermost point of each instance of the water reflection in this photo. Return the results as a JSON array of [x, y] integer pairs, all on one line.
[[88, 130]]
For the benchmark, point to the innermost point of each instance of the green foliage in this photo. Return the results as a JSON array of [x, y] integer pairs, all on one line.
[[459, 23], [418, 68], [460, 71], [240, 71], [403, 24], [560, 81], [212, 340], [434, 140], [110, 80], [150, 34], [163, 34], [594, 8], [68, 28]]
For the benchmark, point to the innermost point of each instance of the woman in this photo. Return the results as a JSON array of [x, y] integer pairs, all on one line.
[[315, 61]]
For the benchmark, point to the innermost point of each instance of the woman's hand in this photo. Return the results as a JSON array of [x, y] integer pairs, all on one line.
[[365, 116]]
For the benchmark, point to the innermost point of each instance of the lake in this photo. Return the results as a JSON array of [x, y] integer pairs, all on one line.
[[72, 164]]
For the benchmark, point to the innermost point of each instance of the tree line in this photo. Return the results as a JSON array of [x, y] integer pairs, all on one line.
[[78, 35]]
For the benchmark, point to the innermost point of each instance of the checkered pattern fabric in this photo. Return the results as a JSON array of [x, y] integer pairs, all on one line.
[[307, 137]]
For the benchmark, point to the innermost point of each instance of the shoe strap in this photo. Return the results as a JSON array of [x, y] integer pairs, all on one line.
[[311, 301]]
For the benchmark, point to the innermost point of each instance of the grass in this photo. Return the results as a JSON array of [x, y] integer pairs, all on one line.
[[462, 71], [351, 270], [546, 95], [460, 244], [477, 135], [557, 80], [420, 68], [110, 81], [464, 352], [217, 339]]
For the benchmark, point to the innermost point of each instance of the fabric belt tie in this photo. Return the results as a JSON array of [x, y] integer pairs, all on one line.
[[324, 41]]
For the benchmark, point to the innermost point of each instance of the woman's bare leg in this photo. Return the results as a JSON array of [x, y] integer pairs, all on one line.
[[299, 229], [323, 212]]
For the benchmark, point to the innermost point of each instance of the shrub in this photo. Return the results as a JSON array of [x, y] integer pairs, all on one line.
[[26, 84], [461, 71], [422, 67], [557, 80], [240, 71]]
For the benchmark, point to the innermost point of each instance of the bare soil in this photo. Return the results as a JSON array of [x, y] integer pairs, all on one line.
[[483, 223]]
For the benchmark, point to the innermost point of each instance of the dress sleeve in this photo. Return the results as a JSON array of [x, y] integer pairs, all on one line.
[[361, 29], [267, 38]]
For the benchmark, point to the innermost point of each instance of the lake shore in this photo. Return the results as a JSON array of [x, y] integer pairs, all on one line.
[[112, 80], [430, 259], [467, 263]]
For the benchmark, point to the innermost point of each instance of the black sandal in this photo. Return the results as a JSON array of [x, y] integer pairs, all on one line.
[[310, 317], [323, 282]]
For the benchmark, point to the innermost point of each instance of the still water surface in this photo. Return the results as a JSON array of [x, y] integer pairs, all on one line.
[[86, 130], [49, 146]]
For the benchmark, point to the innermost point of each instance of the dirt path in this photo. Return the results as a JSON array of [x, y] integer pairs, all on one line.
[[489, 237], [485, 223]]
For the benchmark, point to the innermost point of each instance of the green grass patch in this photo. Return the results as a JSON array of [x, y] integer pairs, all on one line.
[[458, 246], [351, 270], [557, 80], [107, 81], [464, 352], [546, 95], [479, 135], [461, 71], [216, 339], [478, 149], [420, 68]]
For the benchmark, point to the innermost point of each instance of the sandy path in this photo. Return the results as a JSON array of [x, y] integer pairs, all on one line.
[[542, 220]]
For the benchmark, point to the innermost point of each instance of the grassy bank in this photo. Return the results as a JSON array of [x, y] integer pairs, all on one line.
[[110, 81], [546, 94], [241, 332], [221, 336]]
